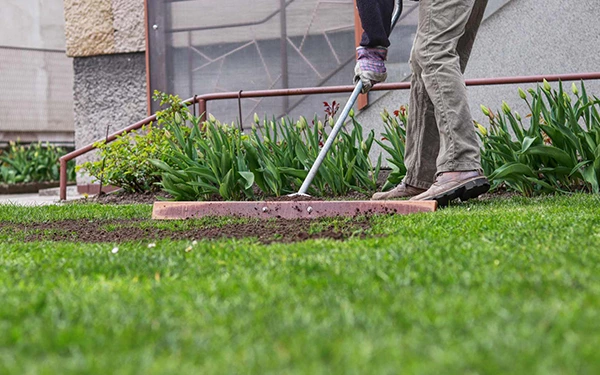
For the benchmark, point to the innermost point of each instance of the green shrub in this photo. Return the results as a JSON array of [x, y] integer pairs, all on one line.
[[558, 151], [201, 162], [125, 162], [36, 162]]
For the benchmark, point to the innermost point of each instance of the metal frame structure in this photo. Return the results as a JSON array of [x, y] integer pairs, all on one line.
[[202, 101], [159, 29], [158, 68]]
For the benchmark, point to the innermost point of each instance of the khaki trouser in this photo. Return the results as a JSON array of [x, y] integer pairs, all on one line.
[[440, 132]]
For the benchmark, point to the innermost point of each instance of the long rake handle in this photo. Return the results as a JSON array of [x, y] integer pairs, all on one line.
[[330, 139], [340, 122]]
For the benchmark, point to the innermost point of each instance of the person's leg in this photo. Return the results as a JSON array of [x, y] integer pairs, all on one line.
[[442, 52], [444, 24], [465, 43], [422, 135], [376, 19]]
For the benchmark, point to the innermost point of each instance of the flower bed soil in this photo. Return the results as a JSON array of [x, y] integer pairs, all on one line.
[[26, 188], [117, 231]]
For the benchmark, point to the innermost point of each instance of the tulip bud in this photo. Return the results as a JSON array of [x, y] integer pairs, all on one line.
[[320, 126], [547, 86], [518, 116], [256, 118], [505, 108], [363, 146], [522, 94], [575, 89], [567, 98], [331, 121], [485, 110], [482, 129], [211, 118], [303, 122], [351, 114]]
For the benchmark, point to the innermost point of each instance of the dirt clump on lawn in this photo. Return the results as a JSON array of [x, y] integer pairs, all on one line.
[[116, 231]]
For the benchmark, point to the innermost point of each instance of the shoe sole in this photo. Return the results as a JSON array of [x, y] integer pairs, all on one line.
[[468, 190]]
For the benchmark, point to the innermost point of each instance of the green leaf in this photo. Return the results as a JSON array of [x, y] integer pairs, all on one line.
[[512, 170], [579, 166], [589, 175], [299, 173], [226, 187], [202, 172], [527, 142], [552, 152], [249, 178]]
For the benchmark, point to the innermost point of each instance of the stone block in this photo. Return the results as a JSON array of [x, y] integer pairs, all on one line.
[[103, 27], [129, 25], [109, 91]]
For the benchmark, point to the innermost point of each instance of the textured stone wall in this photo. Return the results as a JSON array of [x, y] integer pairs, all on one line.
[[103, 27], [108, 91]]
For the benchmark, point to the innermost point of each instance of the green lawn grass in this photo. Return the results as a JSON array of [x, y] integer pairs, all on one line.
[[489, 287]]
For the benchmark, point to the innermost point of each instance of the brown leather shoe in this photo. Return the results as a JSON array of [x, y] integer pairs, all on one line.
[[401, 191], [451, 185]]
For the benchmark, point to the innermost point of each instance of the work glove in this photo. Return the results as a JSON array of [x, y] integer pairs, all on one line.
[[370, 67]]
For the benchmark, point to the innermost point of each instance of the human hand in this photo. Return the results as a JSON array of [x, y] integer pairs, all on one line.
[[370, 67]]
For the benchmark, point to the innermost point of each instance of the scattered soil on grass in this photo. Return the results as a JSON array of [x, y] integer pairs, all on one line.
[[121, 197], [116, 231], [500, 193]]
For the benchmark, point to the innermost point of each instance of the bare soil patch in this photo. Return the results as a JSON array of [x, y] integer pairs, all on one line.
[[103, 231]]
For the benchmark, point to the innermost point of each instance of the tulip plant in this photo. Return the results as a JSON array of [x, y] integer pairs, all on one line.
[[216, 159], [558, 151], [36, 162]]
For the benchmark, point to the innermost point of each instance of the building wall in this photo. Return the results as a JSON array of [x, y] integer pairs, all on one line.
[[521, 38], [37, 77], [32, 24], [106, 39], [525, 38]]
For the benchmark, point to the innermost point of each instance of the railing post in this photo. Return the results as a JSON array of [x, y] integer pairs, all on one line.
[[63, 179], [202, 108]]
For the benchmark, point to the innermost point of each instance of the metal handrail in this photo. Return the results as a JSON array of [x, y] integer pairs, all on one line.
[[202, 101]]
